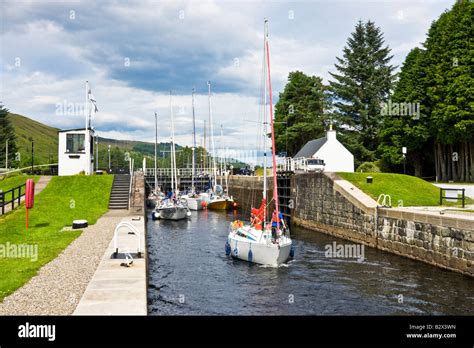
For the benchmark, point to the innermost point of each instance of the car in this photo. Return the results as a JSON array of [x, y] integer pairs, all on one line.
[[315, 165]]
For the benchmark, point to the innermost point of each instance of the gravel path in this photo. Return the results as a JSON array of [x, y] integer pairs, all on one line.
[[59, 285]]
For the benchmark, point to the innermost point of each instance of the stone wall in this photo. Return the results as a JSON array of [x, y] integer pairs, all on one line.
[[319, 206], [430, 237], [247, 191], [322, 204]]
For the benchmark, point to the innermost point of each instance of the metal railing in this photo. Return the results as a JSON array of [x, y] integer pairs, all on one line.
[[131, 230], [185, 172], [457, 198], [28, 168], [290, 164], [13, 199]]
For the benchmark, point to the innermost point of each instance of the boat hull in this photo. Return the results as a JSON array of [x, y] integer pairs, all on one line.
[[262, 253], [194, 203], [220, 205], [172, 213]]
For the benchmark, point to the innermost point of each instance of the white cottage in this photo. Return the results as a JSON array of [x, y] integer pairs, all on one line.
[[76, 151], [336, 157]]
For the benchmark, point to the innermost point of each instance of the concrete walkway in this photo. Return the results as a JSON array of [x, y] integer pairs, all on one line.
[[39, 186], [116, 289], [60, 284]]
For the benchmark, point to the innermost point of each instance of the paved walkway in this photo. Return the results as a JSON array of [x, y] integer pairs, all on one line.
[[116, 289], [60, 284], [39, 186]]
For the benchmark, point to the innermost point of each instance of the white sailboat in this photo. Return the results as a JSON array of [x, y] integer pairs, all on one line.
[[155, 195], [193, 200], [217, 198], [174, 207], [261, 242]]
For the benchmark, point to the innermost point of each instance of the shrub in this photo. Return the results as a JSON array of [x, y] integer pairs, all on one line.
[[368, 167]]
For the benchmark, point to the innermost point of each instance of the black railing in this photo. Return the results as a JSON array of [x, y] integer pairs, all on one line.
[[16, 194], [441, 197]]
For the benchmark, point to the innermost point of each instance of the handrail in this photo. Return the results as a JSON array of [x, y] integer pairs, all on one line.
[[384, 200], [462, 198], [29, 167], [137, 234], [12, 201], [130, 191]]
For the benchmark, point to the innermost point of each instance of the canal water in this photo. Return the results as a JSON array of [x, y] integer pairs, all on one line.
[[189, 274]]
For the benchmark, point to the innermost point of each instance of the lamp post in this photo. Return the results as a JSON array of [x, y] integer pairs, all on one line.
[[109, 157], [404, 152]]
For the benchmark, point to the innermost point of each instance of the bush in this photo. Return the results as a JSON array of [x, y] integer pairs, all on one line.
[[368, 167]]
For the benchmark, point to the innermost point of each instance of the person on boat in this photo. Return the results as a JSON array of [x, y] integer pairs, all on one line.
[[277, 222], [255, 219]]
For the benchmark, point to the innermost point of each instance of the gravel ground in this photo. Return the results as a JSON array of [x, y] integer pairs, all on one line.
[[59, 285]]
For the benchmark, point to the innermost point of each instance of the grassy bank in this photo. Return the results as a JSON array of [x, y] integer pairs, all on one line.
[[412, 191], [62, 201]]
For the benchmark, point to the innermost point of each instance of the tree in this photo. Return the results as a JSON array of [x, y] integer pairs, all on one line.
[[364, 80], [449, 91], [7, 132], [411, 130], [300, 112]]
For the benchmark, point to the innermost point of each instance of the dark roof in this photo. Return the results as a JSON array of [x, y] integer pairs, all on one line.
[[311, 148], [73, 130]]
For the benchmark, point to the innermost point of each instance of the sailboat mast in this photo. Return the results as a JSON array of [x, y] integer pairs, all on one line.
[[172, 147], [211, 128], [205, 150], [225, 168], [275, 182], [264, 126], [220, 157], [156, 143], [194, 145]]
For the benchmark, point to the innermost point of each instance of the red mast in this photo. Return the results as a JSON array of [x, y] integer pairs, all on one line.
[[275, 182]]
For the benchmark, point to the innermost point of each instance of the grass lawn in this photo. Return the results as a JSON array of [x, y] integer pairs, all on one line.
[[412, 191], [63, 200], [259, 172], [15, 181]]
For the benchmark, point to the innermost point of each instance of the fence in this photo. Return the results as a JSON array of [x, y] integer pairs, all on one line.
[[3, 196], [441, 197], [289, 164]]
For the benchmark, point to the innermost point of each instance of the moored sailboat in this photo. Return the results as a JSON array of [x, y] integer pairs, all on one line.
[[217, 199], [173, 207], [262, 242], [194, 201]]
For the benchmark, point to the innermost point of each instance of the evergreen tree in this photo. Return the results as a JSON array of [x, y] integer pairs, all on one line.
[[363, 82], [7, 132], [409, 130], [450, 87], [299, 112]]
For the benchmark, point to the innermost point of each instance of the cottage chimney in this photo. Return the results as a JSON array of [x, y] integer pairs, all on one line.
[[331, 134]]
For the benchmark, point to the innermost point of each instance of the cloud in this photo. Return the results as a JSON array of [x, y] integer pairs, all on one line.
[[135, 52]]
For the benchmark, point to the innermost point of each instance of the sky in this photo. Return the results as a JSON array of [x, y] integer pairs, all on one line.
[[135, 52]]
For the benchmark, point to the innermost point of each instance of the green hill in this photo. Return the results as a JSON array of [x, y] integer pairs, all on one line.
[[46, 146], [45, 139]]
